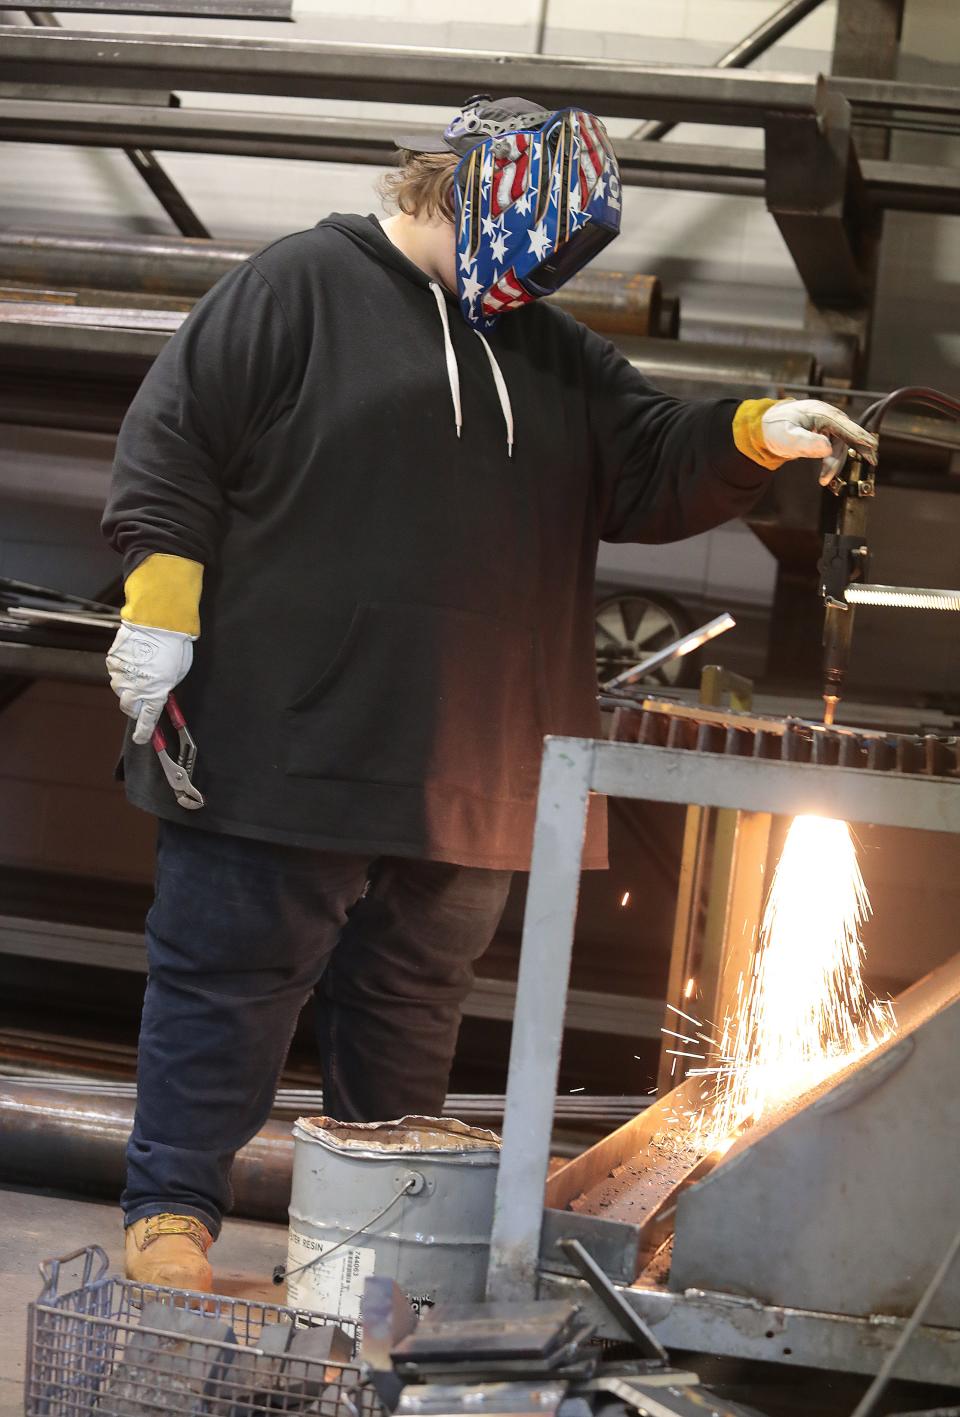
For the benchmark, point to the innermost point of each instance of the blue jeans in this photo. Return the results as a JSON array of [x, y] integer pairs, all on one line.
[[240, 934]]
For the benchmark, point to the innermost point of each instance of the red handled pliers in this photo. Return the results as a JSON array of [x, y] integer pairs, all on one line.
[[179, 773]]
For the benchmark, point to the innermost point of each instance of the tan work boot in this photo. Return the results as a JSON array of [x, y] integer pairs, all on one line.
[[170, 1250]]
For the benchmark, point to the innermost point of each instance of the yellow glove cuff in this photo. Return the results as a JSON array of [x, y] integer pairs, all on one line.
[[748, 433], [164, 593]]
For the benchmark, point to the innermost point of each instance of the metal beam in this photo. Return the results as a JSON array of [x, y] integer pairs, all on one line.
[[315, 69], [199, 9], [866, 43], [746, 1328], [876, 95], [231, 64], [815, 194], [889, 799], [545, 955], [674, 166]]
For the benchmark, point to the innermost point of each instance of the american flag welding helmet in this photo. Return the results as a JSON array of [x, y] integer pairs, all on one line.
[[537, 195]]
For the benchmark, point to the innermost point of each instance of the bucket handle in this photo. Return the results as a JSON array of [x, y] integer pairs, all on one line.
[[413, 1184], [50, 1270]]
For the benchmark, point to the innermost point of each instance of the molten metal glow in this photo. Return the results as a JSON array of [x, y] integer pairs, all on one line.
[[803, 1011]]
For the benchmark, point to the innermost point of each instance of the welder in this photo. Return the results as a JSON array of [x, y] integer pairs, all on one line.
[[358, 498]]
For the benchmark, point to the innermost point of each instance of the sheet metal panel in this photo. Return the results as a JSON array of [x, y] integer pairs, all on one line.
[[848, 1201]]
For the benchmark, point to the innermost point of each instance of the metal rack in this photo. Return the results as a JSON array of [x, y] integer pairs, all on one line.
[[523, 1250], [807, 122]]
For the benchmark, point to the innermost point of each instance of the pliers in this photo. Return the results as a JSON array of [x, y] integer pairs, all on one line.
[[178, 773]]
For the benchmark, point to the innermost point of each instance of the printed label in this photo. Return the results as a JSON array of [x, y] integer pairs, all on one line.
[[333, 1286]]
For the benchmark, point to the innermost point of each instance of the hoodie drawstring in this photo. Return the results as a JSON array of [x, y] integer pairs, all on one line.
[[502, 391], [453, 371]]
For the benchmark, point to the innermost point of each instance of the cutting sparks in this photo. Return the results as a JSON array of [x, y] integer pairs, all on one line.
[[626, 899], [803, 1011]]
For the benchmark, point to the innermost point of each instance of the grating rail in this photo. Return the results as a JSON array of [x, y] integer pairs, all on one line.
[[731, 733], [115, 1348]]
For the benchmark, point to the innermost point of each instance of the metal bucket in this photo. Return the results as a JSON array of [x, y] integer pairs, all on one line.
[[411, 1199]]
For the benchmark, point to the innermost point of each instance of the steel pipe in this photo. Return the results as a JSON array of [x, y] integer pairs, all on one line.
[[614, 303], [61, 1139], [685, 368], [610, 301], [168, 265], [835, 354], [76, 1139]]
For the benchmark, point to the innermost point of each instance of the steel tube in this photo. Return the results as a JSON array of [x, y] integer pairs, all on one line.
[[169, 265], [834, 354], [614, 303], [62, 1139], [685, 367], [178, 266]]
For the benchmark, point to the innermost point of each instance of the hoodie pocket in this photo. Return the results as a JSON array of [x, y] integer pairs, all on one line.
[[420, 693]]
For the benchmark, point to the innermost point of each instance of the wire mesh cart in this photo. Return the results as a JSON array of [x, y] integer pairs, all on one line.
[[114, 1348]]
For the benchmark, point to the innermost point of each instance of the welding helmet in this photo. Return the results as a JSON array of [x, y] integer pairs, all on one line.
[[536, 196]]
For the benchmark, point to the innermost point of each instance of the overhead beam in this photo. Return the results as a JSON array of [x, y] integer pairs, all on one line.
[[197, 9], [676, 166], [314, 69]]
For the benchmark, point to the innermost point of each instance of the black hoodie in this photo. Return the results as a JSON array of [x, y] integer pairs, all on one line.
[[395, 611]]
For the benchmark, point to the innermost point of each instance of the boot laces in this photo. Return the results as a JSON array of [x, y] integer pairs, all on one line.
[[168, 1224]]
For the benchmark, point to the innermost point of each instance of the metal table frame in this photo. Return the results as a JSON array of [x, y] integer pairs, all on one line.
[[572, 769]]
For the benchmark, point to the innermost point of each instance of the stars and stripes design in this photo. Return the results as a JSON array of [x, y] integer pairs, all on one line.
[[505, 294], [593, 160], [522, 198], [511, 169]]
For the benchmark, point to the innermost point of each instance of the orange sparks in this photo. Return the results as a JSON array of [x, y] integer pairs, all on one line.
[[803, 1011], [626, 899], [688, 988]]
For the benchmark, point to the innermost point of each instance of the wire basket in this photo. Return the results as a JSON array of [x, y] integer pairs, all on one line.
[[89, 1354]]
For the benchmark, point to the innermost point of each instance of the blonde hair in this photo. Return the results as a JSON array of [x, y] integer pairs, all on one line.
[[422, 185]]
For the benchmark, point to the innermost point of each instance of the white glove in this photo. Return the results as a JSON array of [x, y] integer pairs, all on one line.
[[809, 428], [145, 665]]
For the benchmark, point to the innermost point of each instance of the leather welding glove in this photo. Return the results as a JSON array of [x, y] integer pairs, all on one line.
[[772, 433], [153, 648]]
